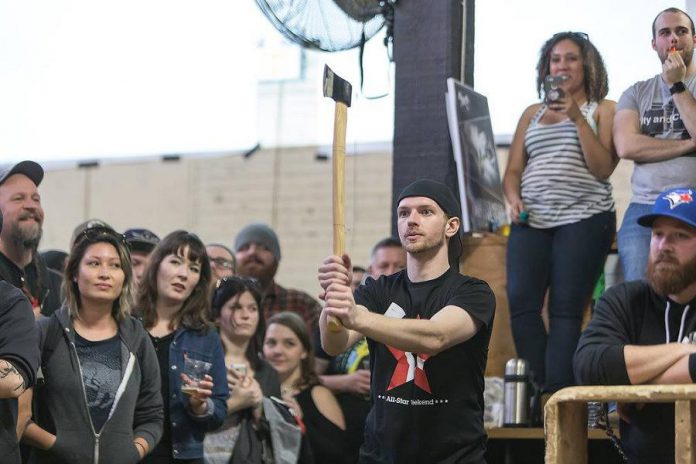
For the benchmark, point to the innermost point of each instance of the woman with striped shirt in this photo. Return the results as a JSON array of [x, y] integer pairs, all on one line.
[[561, 206]]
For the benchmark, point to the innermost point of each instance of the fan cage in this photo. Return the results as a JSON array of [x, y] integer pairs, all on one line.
[[326, 25]]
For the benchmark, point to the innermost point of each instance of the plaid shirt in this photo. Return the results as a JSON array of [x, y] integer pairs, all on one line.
[[277, 299]]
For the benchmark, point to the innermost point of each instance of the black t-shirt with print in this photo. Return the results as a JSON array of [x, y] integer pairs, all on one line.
[[100, 363], [427, 408]]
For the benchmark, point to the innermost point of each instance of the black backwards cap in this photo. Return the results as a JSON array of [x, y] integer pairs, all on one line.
[[436, 191], [143, 240], [443, 196]]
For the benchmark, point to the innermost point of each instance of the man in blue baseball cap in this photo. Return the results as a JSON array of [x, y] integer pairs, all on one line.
[[644, 331]]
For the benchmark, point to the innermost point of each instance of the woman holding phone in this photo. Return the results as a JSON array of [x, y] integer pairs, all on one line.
[[100, 398], [561, 206], [236, 307], [173, 303]]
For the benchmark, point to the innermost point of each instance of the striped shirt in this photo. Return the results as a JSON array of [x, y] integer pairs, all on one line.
[[557, 186]]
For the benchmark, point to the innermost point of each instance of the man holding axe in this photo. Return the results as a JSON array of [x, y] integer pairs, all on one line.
[[427, 328]]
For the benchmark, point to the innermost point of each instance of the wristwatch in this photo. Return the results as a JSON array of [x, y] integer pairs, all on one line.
[[678, 87]]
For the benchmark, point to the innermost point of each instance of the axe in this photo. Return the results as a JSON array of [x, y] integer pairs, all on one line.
[[340, 91]]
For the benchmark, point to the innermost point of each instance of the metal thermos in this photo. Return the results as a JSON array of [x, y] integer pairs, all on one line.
[[517, 391]]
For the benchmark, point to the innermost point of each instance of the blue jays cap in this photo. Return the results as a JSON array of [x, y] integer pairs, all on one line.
[[677, 203]]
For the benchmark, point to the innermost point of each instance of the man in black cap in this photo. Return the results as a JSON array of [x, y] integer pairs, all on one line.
[[19, 360], [20, 264], [142, 242], [258, 255], [427, 328], [644, 331]]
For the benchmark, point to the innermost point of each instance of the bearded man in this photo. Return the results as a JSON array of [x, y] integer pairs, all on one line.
[[644, 332], [654, 127], [258, 255], [20, 264]]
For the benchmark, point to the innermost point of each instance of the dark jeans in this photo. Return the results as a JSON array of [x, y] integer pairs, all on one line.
[[567, 260]]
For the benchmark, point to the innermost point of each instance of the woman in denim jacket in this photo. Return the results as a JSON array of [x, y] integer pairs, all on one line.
[[174, 306]]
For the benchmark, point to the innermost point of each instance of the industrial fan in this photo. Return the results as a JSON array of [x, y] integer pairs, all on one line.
[[329, 25]]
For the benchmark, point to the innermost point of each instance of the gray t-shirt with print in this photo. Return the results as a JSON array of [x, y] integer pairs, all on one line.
[[659, 118]]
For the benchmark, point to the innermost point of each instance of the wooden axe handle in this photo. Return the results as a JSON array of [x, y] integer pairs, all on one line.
[[339, 190]]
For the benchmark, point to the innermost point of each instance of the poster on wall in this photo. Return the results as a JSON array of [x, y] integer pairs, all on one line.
[[473, 145]]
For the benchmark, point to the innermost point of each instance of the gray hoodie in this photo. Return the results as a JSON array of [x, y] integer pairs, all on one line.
[[61, 407]]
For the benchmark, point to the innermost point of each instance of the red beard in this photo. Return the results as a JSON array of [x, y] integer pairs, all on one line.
[[667, 277]]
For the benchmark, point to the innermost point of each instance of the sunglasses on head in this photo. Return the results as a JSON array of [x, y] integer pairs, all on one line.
[[94, 234], [577, 35]]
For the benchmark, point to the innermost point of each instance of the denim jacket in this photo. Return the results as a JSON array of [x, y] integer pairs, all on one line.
[[187, 429]]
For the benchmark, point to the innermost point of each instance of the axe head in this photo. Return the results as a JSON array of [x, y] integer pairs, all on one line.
[[336, 88]]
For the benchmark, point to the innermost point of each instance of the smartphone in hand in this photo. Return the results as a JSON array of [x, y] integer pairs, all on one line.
[[552, 88]]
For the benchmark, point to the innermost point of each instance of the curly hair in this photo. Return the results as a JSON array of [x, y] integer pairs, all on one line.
[[195, 312], [595, 73]]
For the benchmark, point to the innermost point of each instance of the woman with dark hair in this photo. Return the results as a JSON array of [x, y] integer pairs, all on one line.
[[287, 347], [173, 303], [561, 206], [100, 399], [236, 307]]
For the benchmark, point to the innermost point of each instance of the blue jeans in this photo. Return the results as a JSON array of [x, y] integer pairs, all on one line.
[[634, 242], [567, 260]]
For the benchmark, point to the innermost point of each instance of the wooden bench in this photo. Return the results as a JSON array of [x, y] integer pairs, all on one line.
[[565, 418]]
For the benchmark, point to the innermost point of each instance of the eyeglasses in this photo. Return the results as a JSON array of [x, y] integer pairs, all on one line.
[[93, 234], [222, 262], [577, 35]]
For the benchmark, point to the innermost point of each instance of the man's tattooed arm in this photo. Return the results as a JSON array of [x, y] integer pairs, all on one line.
[[11, 381]]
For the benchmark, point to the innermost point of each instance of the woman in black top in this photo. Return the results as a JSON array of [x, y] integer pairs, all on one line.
[[288, 349], [175, 307]]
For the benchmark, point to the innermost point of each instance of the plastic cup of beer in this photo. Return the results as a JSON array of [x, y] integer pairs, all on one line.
[[195, 370]]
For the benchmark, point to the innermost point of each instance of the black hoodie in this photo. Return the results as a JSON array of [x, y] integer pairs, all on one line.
[[633, 314]]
